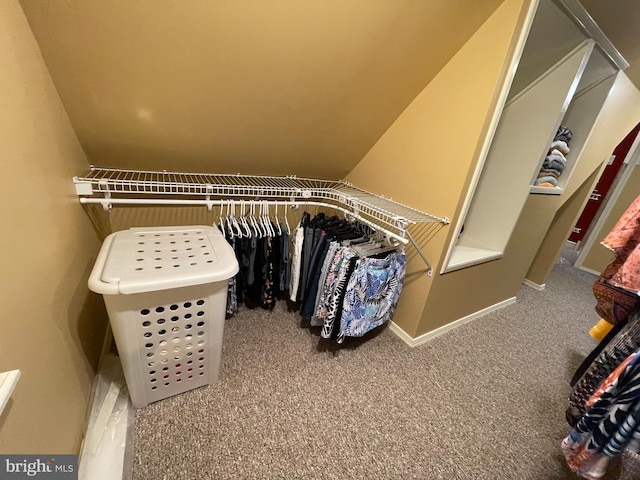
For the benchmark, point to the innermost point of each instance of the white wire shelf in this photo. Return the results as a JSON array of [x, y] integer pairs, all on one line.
[[113, 186]]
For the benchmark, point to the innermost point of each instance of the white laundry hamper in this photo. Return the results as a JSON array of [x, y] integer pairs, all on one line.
[[165, 289]]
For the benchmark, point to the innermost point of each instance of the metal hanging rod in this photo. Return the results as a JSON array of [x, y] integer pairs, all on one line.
[[129, 187]]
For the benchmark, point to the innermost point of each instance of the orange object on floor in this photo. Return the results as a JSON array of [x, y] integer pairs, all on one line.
[[600, 329]]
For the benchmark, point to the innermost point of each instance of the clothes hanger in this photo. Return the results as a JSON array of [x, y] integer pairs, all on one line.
[[254, 221], [243, 220], [265, 219], [277, 222], [286, 219], [272, 226], [228, 223], [221, 222], [374, 249], [235, 221], [261, 219]]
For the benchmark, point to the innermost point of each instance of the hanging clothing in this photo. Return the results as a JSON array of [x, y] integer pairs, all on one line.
[[232, 290], [611, 423], [624, 242], [329, 285], [337, 303], [307, 251], [337, 273], [615, 350], [338, 282], [328, 260], [284, 276], [268, 274], [296, 263], [616, 290], [253, 250], [315, 268], [371, 294], [255, 289]]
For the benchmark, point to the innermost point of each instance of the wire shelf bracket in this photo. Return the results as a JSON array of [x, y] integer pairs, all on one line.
[[107, 187]]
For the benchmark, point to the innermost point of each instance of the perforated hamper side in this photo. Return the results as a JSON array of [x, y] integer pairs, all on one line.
[[169, 341]]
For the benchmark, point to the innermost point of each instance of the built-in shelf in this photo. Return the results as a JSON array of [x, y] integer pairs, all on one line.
[[547, 190], [560, 78], [466, 256], [581, 116]]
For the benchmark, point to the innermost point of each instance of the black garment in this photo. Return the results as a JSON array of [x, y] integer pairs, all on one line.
[[276, 253], [254, 291], [268, 297], [253, 249], [314, 277], [307, 250], [243, 261], [284, 276]]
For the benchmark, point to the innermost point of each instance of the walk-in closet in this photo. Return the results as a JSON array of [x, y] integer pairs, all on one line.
[[391, 185]]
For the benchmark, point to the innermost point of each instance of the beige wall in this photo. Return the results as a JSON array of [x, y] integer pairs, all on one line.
[[598, 256], [560, 229], [52, 328], [274, 87], [620, 113], [425, 157], [490, 283], [423, 147]]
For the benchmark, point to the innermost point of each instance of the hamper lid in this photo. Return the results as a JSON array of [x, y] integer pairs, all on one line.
[[148, 259]]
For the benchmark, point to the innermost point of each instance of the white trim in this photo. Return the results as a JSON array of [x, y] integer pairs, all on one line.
[[588, 270], [531, 284], [583, 19], [507, 75], [424, 338], [91, 458], [462, 257], [8, 382]]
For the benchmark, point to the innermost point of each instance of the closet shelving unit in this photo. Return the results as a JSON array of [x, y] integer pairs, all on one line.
[[107, 187]]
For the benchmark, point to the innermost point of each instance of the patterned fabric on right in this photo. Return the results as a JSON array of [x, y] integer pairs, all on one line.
[[611, 423], [624, 241], [372, 294]]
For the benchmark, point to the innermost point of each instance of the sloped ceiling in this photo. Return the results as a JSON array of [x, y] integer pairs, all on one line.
[[620, 22], [259, 87]]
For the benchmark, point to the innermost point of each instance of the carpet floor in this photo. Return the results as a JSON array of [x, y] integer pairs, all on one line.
[[484, 401]]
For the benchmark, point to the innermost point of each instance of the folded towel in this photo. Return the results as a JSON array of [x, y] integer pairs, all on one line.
[[560, 145], [554, 172], [563, 134], [549, 179], [552, 166], [545, 173], [557, 156]]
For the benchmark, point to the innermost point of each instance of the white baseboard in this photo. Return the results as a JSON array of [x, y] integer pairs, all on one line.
[[424, 338], [531, 284], [588, 270], [106, 451]]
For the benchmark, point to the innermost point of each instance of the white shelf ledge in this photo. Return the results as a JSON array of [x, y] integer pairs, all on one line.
[[8, 382], [547, 190], [462, 257]]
